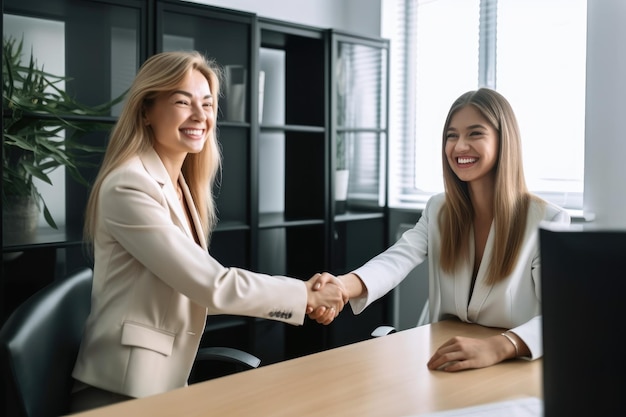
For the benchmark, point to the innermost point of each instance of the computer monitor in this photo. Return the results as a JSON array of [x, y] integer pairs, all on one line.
[[583, 282]]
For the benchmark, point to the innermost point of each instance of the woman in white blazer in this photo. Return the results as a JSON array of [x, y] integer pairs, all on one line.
[[480, 238], [149, 219]]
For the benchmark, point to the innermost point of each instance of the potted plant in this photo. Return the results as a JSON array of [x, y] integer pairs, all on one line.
[[42, 127]]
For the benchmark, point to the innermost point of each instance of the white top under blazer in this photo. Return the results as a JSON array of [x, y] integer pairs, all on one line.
[[514, 303], [154, 286]]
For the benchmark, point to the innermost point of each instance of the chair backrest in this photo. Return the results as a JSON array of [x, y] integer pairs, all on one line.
[[38, 347]]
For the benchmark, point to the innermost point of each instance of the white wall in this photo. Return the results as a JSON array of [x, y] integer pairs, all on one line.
[[355, 16], [605, 134]]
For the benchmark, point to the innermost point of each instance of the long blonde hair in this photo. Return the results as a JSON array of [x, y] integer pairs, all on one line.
[[512, 198], [130, 136]]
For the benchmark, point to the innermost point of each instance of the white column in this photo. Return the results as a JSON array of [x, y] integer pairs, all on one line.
[[605, 131]]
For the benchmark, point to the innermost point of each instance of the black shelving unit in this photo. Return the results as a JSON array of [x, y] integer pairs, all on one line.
[[359, 129], [98, 43], [278, 128], [293, 149]]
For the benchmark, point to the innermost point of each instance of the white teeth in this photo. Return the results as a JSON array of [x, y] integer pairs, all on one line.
[[466, 160], [192, 132]]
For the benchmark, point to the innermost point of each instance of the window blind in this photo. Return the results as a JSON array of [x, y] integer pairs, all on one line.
[[532, 51]]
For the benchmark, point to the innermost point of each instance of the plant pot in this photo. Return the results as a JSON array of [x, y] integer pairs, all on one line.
[[19, 220], [341, 190]]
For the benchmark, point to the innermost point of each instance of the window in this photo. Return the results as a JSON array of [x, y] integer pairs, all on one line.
[[531, 51]]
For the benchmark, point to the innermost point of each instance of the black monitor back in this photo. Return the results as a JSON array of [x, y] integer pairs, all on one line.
[[584, 305]]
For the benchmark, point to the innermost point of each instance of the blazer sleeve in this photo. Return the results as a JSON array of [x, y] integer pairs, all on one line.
[[385, 271], [531, 331], [134, 212]]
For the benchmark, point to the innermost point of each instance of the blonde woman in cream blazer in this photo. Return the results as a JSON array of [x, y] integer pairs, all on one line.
[[480, 238], [149, 217]]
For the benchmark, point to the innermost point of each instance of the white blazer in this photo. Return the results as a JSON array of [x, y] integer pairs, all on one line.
[[154, 286], [514, 303]]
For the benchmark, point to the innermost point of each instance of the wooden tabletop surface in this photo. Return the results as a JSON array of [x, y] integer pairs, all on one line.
[[385, 376]]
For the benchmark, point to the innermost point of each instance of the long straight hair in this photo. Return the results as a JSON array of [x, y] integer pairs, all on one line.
[[511, 201], [162, 73]]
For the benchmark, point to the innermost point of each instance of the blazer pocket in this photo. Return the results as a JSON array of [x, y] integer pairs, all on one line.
[[137, 335]]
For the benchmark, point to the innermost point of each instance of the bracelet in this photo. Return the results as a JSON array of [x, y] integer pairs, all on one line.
[[513, 342]]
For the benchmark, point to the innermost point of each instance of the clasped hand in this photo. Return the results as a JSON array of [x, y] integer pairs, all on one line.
[[327, 296]]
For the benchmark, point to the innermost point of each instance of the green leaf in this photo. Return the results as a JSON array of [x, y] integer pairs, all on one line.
[[48, 216]]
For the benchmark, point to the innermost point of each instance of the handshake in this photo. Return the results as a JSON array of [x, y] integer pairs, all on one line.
[[326, 297]]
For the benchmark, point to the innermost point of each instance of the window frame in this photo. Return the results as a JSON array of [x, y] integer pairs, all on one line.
[[403, 192]]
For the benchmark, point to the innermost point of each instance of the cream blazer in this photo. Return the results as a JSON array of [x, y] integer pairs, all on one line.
[[514, 303], [154, 286]]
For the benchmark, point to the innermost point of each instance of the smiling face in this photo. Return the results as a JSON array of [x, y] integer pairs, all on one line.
[[471, 145], [181, 119]]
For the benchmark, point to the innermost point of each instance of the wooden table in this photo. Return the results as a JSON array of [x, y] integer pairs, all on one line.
[[386, 376]]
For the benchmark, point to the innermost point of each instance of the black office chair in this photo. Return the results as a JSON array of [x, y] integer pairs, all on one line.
[[385, 330], [39, 343], [38, 347]]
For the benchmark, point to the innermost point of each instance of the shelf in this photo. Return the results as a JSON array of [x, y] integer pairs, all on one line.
[[6, 113], [46, 237], [351, 215], [275, 220], [293, 128], [227, 123], [229, 226]]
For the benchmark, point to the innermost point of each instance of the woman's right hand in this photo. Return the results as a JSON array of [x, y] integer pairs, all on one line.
[[351, 282], [327, 296]]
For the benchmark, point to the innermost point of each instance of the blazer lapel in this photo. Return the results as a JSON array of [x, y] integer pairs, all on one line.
[[462, 282], [195, 217], [153, 165], [481, 288]]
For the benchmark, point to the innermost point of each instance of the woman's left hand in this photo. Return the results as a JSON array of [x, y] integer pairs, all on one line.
[[460, 353]]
